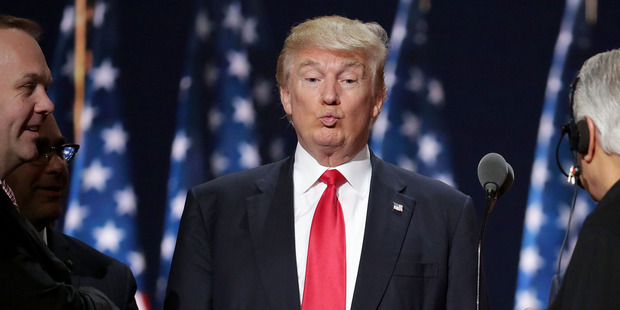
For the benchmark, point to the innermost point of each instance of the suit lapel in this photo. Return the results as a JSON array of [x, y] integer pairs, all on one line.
[[387, 222], [272, 229], [60, 248]]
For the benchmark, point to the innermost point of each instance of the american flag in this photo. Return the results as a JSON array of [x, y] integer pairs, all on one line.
[[408, 132], [228, 107], [550, 196], [102, 207]]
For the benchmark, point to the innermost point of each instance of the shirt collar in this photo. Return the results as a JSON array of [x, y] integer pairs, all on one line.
[[307, 170]]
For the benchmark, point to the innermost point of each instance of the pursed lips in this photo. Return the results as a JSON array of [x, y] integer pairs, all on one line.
[[329, 118]]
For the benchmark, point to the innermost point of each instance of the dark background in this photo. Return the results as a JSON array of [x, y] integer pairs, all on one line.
[[493, 58]]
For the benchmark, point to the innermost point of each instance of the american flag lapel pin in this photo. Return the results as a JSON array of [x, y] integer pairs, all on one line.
[[397, 206]]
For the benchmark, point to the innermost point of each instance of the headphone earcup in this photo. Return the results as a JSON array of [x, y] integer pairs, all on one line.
[[583, 134]]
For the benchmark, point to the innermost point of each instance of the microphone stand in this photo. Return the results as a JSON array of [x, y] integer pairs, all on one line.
[[491, 198]]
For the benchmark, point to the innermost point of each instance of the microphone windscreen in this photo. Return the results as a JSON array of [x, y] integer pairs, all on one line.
[[510, 178], [492, 169]]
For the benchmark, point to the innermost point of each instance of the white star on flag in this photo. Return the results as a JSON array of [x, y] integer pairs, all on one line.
[[233, 17], [244, 112], [429, 149], [68, 19], [203, 26], [69, 66], [180, 145], [108, 237], [137, 262], [530, 261], [239, 65], [416, 80], [546, 129], [249, 155], [114, 139], [186, 83], [435, 92], [540, 173], [248, 32], [167, 246], [99, 14], [95, 176], [380, 126], [219, 163], [263, 92], [411, 125], [126, 201], [215, 119], [104, 76], [88, 114], [527, 299], [399, 32], [390, 75], [406, 163], [534, 217], [75, 216], [177, 204]]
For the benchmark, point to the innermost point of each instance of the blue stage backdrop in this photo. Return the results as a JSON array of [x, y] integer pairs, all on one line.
[[180, 92]]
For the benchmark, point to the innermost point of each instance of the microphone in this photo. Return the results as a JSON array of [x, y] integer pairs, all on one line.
[[496, 177], [510, 178]]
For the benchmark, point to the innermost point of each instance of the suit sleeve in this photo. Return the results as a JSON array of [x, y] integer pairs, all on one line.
[[131, 288], [25, 285], [462, 269], [190, 281]]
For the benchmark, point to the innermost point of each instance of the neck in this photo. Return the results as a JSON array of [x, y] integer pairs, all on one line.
[[610, 173], [333, 158]]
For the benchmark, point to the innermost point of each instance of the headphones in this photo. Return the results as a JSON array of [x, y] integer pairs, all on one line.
[[578, 137], [578, 133]]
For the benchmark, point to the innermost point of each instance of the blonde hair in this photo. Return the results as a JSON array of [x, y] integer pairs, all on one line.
[[337, 33]]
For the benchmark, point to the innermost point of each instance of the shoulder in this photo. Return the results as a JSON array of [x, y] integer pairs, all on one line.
[[87, 255], [415, 183], [242, 181]]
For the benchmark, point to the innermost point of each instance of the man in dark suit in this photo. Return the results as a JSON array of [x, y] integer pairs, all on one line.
[[31, 277], [333, 226], [40, 187], [591, 278]]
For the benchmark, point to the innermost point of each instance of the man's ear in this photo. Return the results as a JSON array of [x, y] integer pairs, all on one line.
[[593, 140], [378, 106], [285, 98]]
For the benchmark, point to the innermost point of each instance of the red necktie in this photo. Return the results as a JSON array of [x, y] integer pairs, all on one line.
[[325, 284]]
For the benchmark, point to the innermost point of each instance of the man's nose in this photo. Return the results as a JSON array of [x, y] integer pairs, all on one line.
[[56, 164], [330, 94], [43, 105]]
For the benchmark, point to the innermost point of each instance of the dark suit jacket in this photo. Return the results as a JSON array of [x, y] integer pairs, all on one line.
[[31, 277], [90, 267], [236, 247], [592, 279]]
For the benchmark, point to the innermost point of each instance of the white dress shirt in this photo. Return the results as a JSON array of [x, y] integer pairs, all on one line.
[[353, 197]]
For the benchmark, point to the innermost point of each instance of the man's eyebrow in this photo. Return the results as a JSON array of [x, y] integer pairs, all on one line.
[[348, 63], [35, 77], [308, 62]]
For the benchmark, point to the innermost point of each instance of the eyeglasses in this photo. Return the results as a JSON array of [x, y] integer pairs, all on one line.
[[66, 152]]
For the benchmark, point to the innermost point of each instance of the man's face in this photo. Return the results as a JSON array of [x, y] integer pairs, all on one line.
[[331, 103], [40, 188], [24, 78]]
